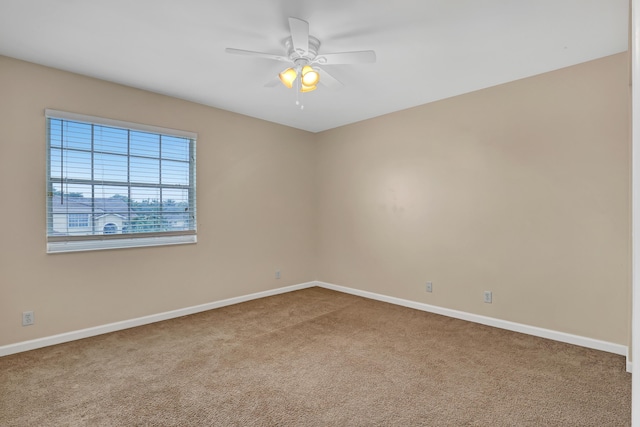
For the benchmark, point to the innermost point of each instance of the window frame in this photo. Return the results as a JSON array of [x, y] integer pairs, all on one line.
[[72, 243]]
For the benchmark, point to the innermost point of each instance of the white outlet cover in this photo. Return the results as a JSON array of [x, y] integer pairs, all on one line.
[[488, 297], [27, 318]]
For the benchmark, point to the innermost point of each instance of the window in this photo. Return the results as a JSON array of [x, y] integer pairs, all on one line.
[[113, 184], [78, 220], [110, 228]]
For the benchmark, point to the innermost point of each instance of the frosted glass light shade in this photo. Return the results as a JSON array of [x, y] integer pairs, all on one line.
[[310, 77], [305, 88], [287, 77]]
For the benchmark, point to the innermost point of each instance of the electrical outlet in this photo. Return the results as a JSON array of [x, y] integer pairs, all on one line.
[[27, 318], [488, 297], [277, 274], [429, 287]]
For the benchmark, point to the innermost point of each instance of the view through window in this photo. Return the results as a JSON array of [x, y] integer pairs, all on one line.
[[116, 180]]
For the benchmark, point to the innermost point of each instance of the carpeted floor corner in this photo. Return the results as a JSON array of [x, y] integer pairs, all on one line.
[[314, 357]]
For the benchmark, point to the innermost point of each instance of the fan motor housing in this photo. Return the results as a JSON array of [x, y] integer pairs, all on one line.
[[310, 55]]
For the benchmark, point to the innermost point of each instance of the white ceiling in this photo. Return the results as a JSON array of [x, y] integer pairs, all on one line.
[[427, 49]]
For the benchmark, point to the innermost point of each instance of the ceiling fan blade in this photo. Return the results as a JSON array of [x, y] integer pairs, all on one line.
[[359, 57], [299, 34], [328, 80], [256, 54]]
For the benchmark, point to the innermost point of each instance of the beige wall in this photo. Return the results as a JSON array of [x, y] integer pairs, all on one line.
[[521, 189], [255, 210]]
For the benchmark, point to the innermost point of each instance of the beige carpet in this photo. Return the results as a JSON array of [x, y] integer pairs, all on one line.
[[314, 358]]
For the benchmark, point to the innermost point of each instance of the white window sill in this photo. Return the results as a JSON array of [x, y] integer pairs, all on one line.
[[97, 245]]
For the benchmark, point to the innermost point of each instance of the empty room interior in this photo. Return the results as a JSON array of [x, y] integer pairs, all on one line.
[[436, 231]]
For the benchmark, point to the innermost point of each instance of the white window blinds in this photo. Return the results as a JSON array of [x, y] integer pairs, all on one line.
[[113, 184]]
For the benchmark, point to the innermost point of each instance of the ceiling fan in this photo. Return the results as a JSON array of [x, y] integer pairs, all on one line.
[[302, 53]]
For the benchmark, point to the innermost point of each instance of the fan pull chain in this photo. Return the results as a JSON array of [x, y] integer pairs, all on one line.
[[299, 96]]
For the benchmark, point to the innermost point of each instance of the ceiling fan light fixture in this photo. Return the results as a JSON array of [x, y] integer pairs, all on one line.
[[287, 77], [306, 63], [310, 77], [305, 88]]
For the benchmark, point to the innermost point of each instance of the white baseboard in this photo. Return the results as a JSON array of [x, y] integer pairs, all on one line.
[[126, 324], [490, 321]]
